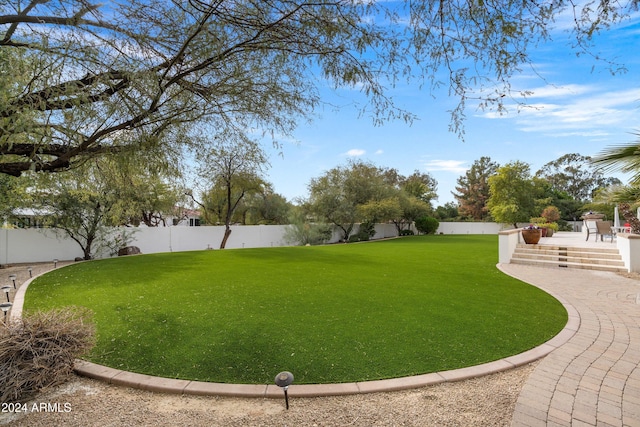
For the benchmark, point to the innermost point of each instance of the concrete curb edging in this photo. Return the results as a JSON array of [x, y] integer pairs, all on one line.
[[177, 386]]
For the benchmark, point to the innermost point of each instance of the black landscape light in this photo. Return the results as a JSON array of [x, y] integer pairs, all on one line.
[[55, 262], [284, 380], [30, 270], [6, 290], [5, 306], [12, 277]]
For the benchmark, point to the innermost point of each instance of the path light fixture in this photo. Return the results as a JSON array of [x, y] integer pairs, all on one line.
[[12, 277], [30, 270], [55, 262], [284, 380], [6, 290], [5, 306]]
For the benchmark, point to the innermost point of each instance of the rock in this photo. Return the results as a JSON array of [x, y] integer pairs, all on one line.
[[78, 259], [129, 250]]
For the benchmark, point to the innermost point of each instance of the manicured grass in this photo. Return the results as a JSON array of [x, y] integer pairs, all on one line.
[[328, 314]]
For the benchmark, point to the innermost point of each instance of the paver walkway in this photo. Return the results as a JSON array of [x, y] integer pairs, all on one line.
[[593, 379]]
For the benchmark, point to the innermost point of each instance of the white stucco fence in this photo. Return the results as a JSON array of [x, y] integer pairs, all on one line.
[[42, 245], [470, 228]]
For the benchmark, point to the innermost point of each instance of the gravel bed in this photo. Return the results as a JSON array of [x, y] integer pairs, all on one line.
[[485, 401]]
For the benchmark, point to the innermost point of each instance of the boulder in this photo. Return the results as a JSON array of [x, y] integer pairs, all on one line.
[[129, 250]]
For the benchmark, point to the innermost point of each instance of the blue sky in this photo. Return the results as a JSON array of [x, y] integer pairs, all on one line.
[[577, 106]]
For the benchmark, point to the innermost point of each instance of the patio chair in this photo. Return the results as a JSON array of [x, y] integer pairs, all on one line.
[[590, 227], [604, 228]]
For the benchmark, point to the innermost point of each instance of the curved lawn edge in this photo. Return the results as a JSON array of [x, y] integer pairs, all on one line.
[[176, 386]]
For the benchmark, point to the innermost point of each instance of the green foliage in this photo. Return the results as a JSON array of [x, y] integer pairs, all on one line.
[[607, 209], [412, 208], [427, 225], [70, 91], [544, 223], [86, 202], [622, 158], [537, 220], [407, 233], [266, 207], [512, 194], [570, 209], [575, 175], [331, 313], [420, 185], [362, 192], [448, 212], [12, 195], [565, 226], [231, 169], [380, 210], [366, 231], [346, 194], [302, 232]]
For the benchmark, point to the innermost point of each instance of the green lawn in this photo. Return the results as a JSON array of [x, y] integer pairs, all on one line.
[[334, 313]]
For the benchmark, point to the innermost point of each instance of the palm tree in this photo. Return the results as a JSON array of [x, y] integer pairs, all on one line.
[[623, 158]]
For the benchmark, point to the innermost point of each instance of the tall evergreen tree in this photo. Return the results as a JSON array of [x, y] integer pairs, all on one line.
[[473, 189]]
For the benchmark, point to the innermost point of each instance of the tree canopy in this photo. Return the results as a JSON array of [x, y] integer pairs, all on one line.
[[81, 78], [575, 175], [231, 169], [88, 201], [363, 192], [513, 194]]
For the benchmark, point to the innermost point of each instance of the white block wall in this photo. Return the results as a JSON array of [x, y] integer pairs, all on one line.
[[43, 245]]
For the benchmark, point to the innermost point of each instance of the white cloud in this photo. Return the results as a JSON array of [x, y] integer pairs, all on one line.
[[576, 109], [379, 152], [355, 152], [456, 166], [551, 91]]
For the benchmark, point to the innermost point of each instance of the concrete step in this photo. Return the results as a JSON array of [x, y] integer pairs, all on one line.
[[566, 254], [585, 266], [605, 259], [603, 250]]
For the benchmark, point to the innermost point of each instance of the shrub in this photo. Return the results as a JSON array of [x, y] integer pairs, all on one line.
[[551, 214], [367, 230], [357, 238], [427, 225], [407, 233], [304, 233], [38, 351], [538, 220]]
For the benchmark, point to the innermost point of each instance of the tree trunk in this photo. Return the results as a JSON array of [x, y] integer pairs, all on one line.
[[630, 217], [227, 233], [86, 250]]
